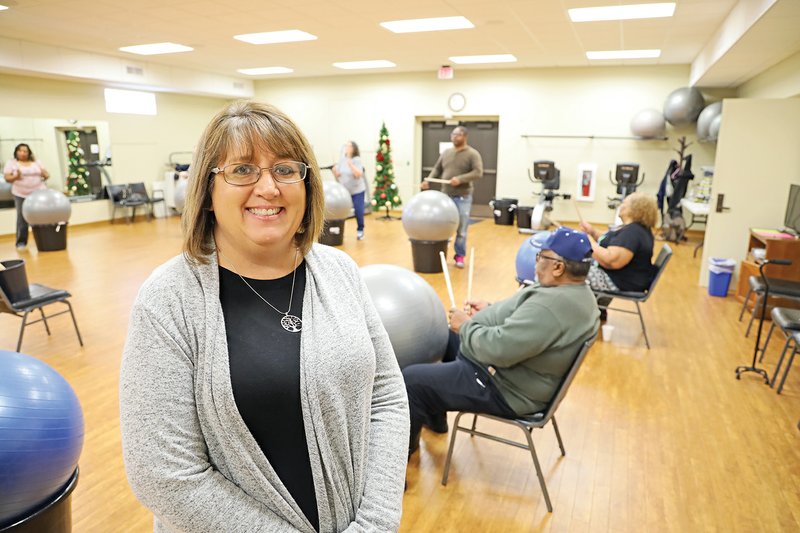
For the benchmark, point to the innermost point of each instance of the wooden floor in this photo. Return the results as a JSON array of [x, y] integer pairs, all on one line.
[[657, 440]]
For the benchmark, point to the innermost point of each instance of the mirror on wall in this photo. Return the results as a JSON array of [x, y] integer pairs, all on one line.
[[49, 140]]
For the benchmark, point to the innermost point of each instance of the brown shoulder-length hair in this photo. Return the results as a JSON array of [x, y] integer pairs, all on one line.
[[642, 208], [246, 127]]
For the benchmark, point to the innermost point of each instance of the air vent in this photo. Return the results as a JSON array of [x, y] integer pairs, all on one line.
[[134, 71], [238, 85]]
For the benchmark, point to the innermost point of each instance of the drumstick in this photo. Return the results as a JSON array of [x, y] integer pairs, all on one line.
[[437, 180], [447, 280], [575, 203], [471, 272]]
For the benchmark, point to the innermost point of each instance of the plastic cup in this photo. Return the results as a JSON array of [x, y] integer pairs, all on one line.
[[608, 332]]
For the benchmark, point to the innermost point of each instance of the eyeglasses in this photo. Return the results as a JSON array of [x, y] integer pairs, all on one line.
[[241, 174], [540, 256]]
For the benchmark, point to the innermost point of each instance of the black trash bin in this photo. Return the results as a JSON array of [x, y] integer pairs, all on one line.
[[333, 233], [504, 209], [425, 255], [53, 517], [14, 280], [50, 237], [524, 215]]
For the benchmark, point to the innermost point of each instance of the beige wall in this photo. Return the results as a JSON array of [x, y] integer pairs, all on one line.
[[780, 81], [757, 159], [140, 145], [575, 101]]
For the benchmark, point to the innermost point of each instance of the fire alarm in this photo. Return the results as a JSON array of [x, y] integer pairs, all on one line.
[[456, 102]]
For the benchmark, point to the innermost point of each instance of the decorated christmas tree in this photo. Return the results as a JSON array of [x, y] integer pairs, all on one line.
[[77, 173], [386, 194]]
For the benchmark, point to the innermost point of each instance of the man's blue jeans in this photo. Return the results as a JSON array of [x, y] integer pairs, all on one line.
[[464, 204]]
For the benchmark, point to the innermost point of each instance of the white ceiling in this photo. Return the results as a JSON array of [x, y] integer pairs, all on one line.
[[538, 32]]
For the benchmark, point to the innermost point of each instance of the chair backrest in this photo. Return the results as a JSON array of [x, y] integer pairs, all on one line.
[[567, 381], [14, 281], [661, 263], [140, 189], [116, 193]]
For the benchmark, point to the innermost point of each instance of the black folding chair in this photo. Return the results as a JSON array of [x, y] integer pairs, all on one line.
[[138, 192]]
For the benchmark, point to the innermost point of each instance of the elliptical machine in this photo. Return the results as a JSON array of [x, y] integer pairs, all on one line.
[[626, 178], [546, 173]]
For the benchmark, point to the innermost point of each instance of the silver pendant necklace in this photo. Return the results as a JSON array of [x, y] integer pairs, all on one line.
[[290, 323]]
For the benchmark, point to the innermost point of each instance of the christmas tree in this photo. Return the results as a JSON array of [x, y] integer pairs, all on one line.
[[77, 173], [386, 194]]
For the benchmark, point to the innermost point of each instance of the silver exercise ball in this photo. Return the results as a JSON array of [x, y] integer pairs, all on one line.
[[683, 106], [46, 206], [648, 123], [411, 312], [430, 216], [5, 191], [338, 201], [713, 128], [705, 118], [180, 195]]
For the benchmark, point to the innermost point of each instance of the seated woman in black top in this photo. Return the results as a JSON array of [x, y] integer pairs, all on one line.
[[623, 256]]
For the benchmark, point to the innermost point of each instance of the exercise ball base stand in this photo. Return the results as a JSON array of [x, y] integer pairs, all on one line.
[[54, 517]]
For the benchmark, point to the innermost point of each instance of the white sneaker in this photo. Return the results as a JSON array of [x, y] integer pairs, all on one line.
[[21, 247], [360, 235]]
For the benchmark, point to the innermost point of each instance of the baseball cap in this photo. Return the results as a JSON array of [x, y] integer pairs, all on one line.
[[570, 244]]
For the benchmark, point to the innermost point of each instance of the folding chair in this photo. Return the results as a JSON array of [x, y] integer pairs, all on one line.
[[20, 299], [120, 197], [639, 297], [137, 191], [526, 423]]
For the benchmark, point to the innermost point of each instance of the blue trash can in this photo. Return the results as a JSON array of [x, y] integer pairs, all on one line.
[[719, 276]]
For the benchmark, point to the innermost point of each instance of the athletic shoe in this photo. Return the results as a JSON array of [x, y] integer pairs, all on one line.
[[21, 247], [360, 235], [459, 261], [439, 424]]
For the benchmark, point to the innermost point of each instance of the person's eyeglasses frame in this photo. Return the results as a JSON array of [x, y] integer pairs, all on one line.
[[281, 180], [556, 259]]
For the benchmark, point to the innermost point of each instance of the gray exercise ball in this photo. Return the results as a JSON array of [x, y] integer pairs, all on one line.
[[683, 106], [46, 206], [648, 123], [5, 191], [180, 195], [430, 216], [411, 312], [705, 118], [713, 128], [338, 201]]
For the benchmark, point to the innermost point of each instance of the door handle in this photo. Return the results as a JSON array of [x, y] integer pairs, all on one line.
[[721, 203]]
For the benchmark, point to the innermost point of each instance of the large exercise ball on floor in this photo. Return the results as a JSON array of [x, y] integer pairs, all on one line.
[[410, 311], [46, 206], [526, 256], [648, 123], [683, 106], [41, 434], [707, 115], [338, 201], [430, 216]]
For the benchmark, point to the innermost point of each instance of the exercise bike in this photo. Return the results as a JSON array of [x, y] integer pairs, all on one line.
[[546, 173], [626, 179]]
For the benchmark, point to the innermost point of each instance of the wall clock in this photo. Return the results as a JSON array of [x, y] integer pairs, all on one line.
[[456, 102]]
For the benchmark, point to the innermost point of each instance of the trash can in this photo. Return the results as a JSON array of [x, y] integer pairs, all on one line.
[[50, 237], [504, 209], [425, 255], [719, 276], [524, 214], [333, 233]]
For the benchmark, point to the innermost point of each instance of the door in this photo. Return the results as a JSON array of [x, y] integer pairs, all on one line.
[[483, 136]]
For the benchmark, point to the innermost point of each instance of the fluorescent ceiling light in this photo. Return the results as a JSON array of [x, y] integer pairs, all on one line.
[[495, 58], [273, 37], [3, 8], [433, 24], [156, 48], [265, 70], [355, 65], [624, 54], [636, 11], [131, 102]]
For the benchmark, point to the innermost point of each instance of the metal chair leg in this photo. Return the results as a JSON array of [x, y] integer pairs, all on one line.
[[74, 322], [452, 446], [766, 342], [44, 319], [644, 329], [788, 366], [539, 472], [558, 436], [780, 362], [22, 329], [744, 305]]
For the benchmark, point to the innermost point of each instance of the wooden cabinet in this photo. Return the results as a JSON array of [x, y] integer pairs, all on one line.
[[776, 249]]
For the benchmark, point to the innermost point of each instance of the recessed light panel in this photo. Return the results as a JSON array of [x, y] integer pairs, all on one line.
[[623, 54], [492, 58], [156, 48], [356, 65], [432, 24], [636, 11], [261, 71], [274, 37]]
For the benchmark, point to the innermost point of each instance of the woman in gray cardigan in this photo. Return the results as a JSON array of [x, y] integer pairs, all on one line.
[[258, 389]]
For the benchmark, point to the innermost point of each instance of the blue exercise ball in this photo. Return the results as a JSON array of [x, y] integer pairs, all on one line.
[[41, 435], [411, 312], [526, 256]]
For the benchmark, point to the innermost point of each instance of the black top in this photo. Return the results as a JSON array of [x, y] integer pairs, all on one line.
[[638, 274], [265, 376]]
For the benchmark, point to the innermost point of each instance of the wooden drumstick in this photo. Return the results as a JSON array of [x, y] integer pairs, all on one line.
[[575, 203], [447, 280], [471, 273]]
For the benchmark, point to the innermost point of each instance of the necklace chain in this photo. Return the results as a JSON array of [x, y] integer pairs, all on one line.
[[289, 322]]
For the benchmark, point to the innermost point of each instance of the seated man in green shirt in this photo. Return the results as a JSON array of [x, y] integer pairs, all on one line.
[[509, 358]]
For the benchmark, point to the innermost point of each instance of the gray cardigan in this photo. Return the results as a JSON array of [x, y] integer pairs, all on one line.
[[189, 455]]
